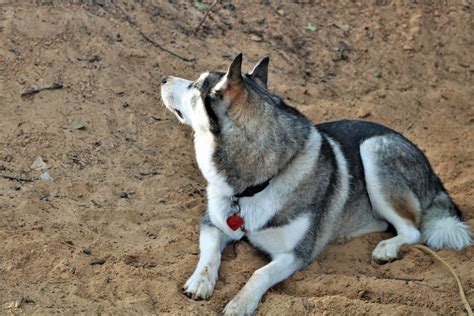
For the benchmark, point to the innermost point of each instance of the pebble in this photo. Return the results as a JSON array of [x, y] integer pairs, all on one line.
[[256, 38], [86, 250], [97, 261], [124, 195], [150, 265], [46, 177], [38, 164], [363, 113], [342, 25]]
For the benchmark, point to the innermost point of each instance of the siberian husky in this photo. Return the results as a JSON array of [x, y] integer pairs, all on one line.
[[292, 187]]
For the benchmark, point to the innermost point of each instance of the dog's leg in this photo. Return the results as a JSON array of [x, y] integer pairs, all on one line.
[[390, 193], [246, 301], [211, 243]]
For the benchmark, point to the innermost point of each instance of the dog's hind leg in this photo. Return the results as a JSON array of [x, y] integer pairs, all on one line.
[[211, 243], [390, 193], [246, 301]]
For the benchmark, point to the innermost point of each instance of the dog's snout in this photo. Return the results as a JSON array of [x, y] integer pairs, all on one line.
[[164, 79]]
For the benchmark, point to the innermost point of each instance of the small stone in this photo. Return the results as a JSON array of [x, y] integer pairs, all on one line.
[[46, 177], [256, 38], [377, 73], [363, 113], [86, 250], [75, 125], [281, 12], [125, 104], [342, 25], [97, 261], [38, 164], [83, 57], [18, 303], [150, 265], [408, 47], [124, 195]]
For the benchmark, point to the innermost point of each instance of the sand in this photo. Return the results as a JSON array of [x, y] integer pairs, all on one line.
[[125, 186]]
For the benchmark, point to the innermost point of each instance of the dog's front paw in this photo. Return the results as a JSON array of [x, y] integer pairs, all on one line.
[[240, 307], [200, 285]]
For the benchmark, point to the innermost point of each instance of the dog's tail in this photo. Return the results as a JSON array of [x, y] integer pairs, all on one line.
[[442, 224]]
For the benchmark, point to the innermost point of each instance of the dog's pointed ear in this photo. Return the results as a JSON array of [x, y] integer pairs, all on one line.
[[234, 73], [259, 73]]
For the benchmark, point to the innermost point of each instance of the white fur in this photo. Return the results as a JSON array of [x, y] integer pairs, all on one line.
[[177, 96], [219, 191], [446, 232], [281, 239], [246, 301], [201, 283], [222, 84], [407, 233]]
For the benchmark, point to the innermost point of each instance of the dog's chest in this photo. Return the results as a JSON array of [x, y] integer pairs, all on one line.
[[281, 239]]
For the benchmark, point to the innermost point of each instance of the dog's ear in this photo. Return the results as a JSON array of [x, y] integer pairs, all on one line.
[[259, 73], [234, 73]]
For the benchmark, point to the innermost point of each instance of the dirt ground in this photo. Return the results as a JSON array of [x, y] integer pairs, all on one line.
[[126, 188]]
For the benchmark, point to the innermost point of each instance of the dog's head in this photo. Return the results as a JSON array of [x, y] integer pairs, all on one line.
[[205, 103], [254, 132]]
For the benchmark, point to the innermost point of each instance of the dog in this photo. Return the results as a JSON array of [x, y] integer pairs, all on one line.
[[291, 187]]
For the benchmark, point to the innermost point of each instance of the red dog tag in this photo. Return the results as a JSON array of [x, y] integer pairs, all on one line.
[[235, 221]]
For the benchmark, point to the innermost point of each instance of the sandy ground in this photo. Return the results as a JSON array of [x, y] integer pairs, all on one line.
[[126, 188]]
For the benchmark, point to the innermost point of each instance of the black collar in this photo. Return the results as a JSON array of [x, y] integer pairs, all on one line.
[[251, 191]]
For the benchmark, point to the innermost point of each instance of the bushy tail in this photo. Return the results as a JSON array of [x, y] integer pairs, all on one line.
[[442, 225]]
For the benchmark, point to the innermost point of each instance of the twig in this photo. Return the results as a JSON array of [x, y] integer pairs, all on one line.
[[400, 278], [149, 40], [31, 92], [16, 178], [451, 270], [205, 16]]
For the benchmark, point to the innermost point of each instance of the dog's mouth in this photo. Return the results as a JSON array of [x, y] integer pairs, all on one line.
[[178, 113]]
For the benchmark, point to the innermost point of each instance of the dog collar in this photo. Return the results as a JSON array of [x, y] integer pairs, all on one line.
[[235, 219], [254, 189]]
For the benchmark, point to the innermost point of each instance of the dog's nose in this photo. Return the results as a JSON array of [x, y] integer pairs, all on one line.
[[164, 79]]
